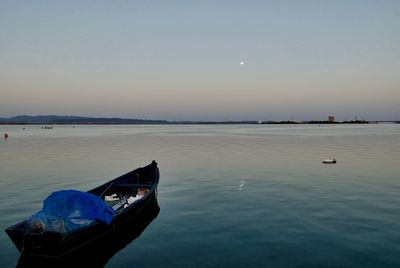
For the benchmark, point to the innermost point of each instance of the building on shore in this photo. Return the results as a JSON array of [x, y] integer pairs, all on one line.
[[331, 119]]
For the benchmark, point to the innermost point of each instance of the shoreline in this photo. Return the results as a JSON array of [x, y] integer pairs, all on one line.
[[203, 123]]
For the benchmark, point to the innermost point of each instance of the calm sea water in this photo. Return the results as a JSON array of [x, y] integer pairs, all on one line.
[[230, 195]]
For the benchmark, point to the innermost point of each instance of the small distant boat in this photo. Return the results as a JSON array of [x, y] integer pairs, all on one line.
[[47, 127], [329, 161], [117, 193]]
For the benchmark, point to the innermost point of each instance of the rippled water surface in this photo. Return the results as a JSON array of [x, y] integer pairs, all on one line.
[[229, 195]]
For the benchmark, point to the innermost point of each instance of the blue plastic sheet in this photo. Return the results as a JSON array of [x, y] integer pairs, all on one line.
[[68, 210]]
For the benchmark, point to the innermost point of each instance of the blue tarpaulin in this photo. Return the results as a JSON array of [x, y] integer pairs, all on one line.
[[68, 210]]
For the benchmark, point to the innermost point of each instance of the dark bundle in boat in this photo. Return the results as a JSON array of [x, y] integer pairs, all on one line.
[[127, 196]]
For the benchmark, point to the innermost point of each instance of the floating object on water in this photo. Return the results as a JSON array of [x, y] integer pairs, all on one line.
[[329, 161], [48, 243], [242, 183], [5, 135]]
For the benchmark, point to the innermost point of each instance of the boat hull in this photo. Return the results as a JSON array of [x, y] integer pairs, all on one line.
[[99, 251], [329, 161], [55, 245]]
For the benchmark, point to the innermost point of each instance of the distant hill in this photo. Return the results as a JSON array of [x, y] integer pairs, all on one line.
[[56, 119]]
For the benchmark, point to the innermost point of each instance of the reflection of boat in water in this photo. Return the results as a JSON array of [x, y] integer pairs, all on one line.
[[57, 244], [99, 252]]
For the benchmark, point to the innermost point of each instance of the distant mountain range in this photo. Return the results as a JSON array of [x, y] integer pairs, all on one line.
[[56, 119], [69, 120]]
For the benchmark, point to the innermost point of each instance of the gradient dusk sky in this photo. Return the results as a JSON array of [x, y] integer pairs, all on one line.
[[181, 60]]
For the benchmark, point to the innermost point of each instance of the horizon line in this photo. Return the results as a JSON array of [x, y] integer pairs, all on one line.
[[259, 121]]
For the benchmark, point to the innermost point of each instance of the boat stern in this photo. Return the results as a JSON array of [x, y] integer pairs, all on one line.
[[16, 234]]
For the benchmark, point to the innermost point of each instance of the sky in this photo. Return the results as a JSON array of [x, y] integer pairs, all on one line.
[[181, 60]]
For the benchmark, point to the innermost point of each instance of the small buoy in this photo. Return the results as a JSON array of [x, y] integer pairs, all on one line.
[[242, 183], [329, 161], [5, 135]]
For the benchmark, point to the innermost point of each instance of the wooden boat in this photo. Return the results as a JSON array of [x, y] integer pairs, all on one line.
[[56, 244], [99, 253], [329, 161]]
